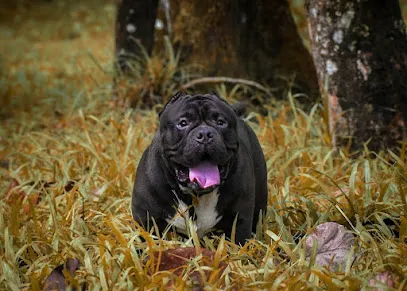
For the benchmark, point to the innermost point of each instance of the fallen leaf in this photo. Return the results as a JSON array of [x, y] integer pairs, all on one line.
[[44, 184], [98, 192], [32, 200], [69, 185], [340, 197], [177, 260], [56, 280], [383, 279], [12, 192], [4, 164], [334, 242], [340, 192]]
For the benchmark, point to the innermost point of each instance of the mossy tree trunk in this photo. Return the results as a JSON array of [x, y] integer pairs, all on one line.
[[360, 53], [236, 38]]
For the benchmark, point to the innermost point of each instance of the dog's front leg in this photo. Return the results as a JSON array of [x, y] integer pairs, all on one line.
[[243, 230]]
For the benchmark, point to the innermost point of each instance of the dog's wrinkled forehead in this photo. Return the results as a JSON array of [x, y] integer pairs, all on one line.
[[181, 100]]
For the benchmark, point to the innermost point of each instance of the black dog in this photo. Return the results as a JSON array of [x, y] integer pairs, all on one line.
[[204, 164]]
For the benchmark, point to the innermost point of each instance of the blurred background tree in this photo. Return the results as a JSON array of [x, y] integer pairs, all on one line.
[[359, 51], [256, 40]]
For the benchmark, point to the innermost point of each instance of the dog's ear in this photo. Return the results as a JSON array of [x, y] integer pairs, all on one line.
[[239, 108], [214, 92], [174, 98]]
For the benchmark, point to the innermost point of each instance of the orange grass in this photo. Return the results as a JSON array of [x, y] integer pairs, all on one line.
[[63, 140]]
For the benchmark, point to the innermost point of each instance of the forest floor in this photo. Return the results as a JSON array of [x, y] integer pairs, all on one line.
[[68, 156]]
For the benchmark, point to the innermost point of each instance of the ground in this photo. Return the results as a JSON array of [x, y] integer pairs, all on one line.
[[68, 156]]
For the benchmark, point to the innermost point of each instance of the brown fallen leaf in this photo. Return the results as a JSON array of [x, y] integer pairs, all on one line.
[[56, 280], [32, 200], [176, 260], [13, 193], [69, 185], [334, 243], [4, 164]]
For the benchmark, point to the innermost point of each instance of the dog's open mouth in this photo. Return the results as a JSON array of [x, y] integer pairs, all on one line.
[[205, 174], [203, 177]]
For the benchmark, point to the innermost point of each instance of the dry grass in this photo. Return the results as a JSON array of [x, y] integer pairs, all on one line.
[[89, 149], [98, 147]]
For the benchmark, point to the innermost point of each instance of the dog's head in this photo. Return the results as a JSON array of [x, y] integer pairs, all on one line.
[[199, 140]]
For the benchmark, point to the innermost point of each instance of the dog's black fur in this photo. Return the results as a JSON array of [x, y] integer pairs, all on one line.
[[177, 146]]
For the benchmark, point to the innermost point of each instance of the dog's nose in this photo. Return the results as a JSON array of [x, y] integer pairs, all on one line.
[[204, 134]]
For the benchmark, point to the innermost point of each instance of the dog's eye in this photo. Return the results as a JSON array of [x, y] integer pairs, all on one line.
[[220, 122], [182, 123]]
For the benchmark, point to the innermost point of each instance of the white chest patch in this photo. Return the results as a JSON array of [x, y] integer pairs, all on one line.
[[206, 216]]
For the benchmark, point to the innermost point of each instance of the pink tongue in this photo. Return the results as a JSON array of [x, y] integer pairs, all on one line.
[[206, 174]]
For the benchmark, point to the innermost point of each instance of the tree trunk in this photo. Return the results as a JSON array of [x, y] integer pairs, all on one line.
[[134, 29], [236, 38], [360, 53], [271, 48]]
